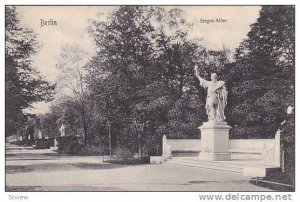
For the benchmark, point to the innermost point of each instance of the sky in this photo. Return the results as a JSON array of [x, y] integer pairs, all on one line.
[[72, 23]]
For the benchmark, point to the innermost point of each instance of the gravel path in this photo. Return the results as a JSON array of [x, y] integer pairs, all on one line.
[[43, 170]]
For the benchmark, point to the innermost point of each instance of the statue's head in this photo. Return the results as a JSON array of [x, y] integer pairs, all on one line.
[[214, 76]]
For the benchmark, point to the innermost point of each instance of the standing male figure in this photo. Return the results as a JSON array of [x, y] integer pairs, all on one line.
[[216, 100]]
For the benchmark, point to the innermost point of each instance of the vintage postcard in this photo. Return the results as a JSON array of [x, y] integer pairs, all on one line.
[[150, 98]]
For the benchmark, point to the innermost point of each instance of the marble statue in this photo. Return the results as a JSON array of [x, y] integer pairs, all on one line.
[[40, 135], [62, 130], [216, 100]]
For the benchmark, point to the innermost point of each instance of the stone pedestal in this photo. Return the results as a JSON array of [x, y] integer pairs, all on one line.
[[214, 141], [55, 145], [157, 159]]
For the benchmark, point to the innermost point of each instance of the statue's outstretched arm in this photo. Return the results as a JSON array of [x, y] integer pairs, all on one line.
[[203, 82]]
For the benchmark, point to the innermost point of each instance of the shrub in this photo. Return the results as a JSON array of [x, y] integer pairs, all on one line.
[[288, 145], [44, 143], [23, 143], [69, 145], [19, 143], [133, 161], [91, 150], [124, 154]]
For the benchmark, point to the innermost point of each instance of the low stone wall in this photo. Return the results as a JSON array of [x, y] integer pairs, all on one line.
[[185, 145], [250, 145], [176, 145], [269, 149]]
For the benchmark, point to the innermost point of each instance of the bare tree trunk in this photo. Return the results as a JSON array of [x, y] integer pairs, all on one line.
[[85, 128]]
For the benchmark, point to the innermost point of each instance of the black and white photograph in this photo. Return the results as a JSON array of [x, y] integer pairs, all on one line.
[[150, 98]]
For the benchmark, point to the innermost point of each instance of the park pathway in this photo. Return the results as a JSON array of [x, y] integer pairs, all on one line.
[[29, 169]]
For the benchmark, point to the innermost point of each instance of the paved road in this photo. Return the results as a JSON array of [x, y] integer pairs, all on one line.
[[43, 170]]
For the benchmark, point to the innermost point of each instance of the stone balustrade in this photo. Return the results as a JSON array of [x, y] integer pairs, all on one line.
[[269, 149]]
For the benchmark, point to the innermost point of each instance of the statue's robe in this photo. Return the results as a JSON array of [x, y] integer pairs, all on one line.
[[215, 90]]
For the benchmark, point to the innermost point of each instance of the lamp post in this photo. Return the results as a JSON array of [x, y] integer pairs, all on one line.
[[139, 145], [139, 129], [109, 138]]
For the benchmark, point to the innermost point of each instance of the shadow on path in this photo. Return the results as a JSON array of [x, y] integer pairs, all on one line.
[[54, 167], [70, 188], [217, 181]]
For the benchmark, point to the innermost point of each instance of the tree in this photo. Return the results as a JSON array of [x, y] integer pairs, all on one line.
[[118, 72], [175, 58], [23, 83], [73, 84], [142, 76], [48, 126], [261, 81]]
